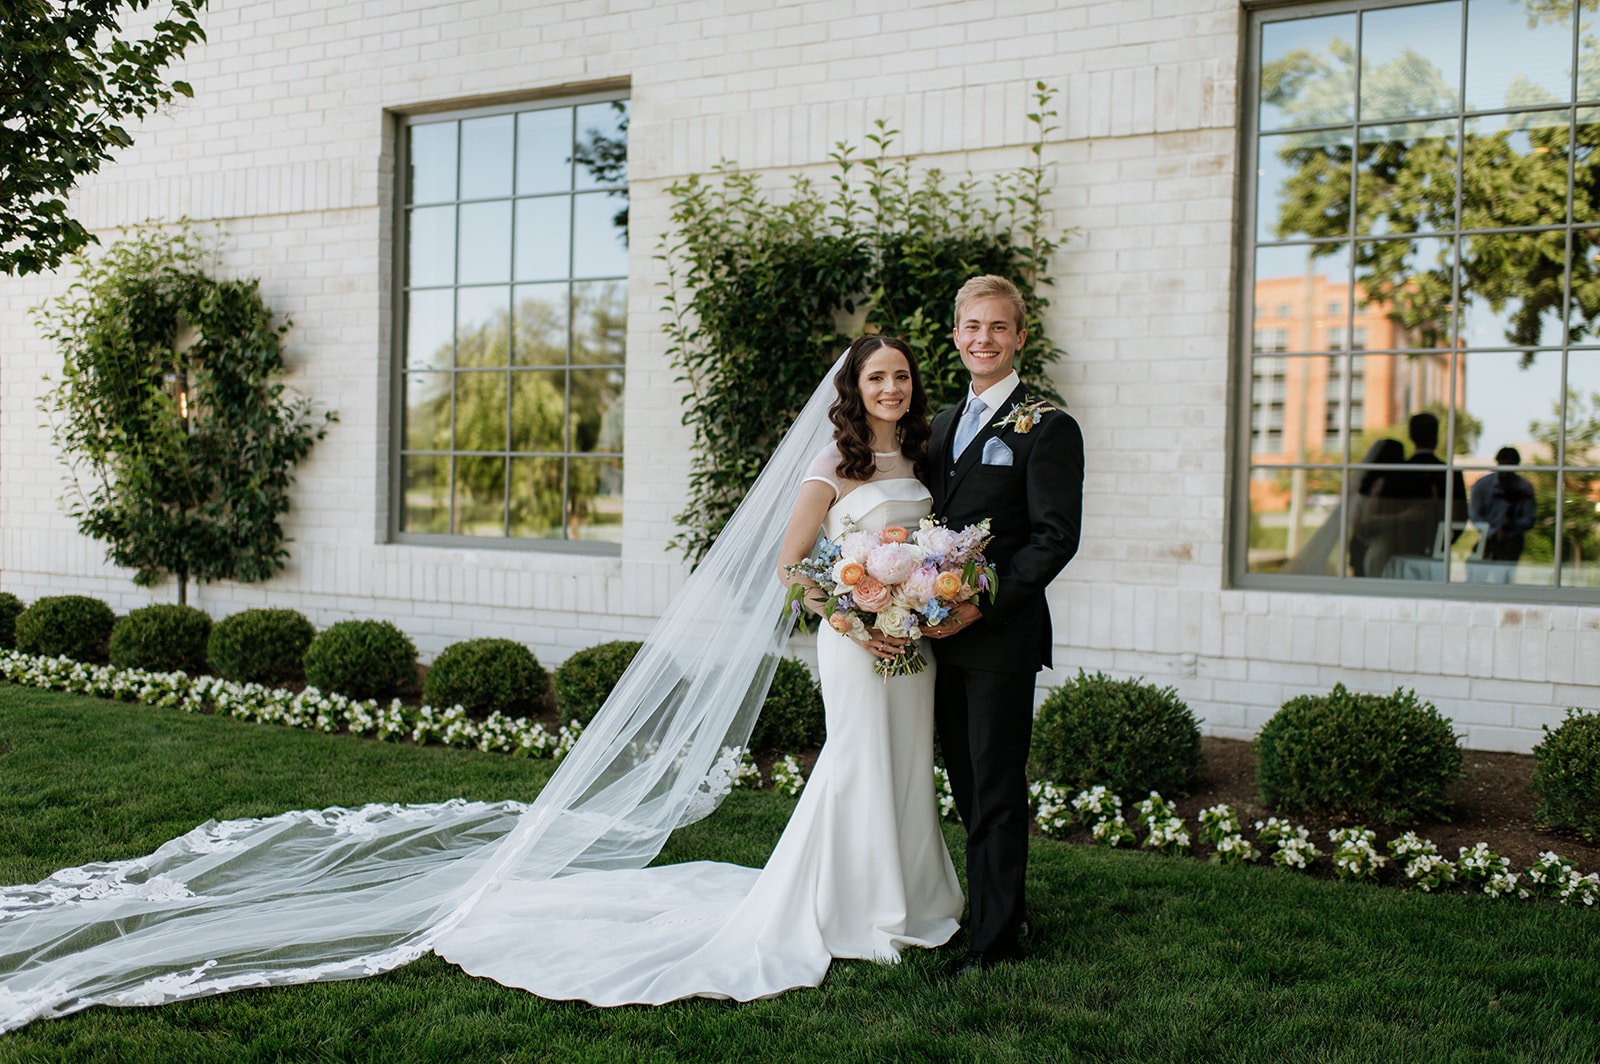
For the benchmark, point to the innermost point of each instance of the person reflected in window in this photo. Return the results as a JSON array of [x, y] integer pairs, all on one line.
[[1421, 492], [1372, 524], [1503, 508]]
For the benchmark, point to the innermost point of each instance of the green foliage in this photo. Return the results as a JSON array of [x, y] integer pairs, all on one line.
[[792, 717], [1566, 776], [10, 607], [260, 646], [362, 659], [1128, 735], [162, 638], [757, 287], [187, 451], [1386, 758], [74, 626], [584, 680], [71, 80], [484, 675]]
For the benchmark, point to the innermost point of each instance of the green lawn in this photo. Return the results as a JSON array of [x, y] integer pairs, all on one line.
[[1140, 958]]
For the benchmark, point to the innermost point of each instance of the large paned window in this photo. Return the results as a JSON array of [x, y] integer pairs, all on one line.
[[1421, 304], [513, 240]]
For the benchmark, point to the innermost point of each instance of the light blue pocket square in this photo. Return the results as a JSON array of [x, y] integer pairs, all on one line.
[[996, 453]]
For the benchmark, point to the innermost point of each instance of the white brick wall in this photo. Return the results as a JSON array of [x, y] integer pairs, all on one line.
[[287, 149]]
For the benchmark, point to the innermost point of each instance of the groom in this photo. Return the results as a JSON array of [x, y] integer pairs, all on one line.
[[1018, 462]]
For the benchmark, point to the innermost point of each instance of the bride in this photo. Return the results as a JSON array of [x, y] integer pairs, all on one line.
[[554, 896]]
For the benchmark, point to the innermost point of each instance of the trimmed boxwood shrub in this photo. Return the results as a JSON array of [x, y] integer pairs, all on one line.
[[163, 638], [1386, 758], [10, 607], [76, 626], [1566, 776], [362, 659], [1128, 735], [260, 646], [584, 680], [792, 718], [484, 675]]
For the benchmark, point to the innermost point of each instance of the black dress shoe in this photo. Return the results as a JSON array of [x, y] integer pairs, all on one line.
[[971, 963]]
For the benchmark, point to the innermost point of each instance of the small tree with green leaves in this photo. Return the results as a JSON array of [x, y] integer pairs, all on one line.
[[70, 79], [171, 415]]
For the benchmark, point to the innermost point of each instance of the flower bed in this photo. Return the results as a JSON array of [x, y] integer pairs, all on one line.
[[1291, 846]]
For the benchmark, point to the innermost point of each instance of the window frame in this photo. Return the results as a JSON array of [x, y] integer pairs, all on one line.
[[1241, 412], [397, 254]]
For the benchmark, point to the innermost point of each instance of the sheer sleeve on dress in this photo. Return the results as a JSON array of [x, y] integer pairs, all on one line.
[[825, 467]]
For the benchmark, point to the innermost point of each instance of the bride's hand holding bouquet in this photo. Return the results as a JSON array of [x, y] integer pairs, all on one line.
[[895, 583]]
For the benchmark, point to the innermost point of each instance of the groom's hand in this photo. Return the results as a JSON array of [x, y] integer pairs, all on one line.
[[884, 645], [960, 619]]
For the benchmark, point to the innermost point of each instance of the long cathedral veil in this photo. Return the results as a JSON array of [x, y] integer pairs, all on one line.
[[343, 893]]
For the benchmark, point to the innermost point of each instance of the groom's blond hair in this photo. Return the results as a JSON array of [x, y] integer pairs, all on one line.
[[990, 286]]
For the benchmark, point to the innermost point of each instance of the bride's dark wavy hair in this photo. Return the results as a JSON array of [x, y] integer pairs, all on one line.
[[849, 413]]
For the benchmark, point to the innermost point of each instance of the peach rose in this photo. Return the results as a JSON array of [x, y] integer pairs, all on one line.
[[871, 595], [895, 534], [947, 585], [840, 622], [848, 573]]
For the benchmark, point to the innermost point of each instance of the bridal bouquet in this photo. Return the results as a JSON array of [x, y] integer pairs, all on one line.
[[896, 581]]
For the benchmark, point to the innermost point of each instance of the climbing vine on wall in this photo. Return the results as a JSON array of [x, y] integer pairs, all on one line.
[[170, 413], [758, 286]]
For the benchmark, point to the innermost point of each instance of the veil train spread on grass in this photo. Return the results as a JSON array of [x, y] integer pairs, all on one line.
[[344, 893]]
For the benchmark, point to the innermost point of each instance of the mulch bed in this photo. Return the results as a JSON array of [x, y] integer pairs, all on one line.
[[1491, 803]]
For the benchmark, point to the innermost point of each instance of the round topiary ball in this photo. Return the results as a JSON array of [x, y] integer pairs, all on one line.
[[1566, 776], [260, 646], [163, 638], [10, 608], [74, 626], [362, 659], [1133, 737], [485, 675], [1343, 755], [584, 681], [792, 717]]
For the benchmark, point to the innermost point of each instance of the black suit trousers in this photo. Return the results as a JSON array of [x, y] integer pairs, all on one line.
[[985, 722]]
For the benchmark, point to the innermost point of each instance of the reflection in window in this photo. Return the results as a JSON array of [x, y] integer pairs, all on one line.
[[1427, 193], [515, 323]]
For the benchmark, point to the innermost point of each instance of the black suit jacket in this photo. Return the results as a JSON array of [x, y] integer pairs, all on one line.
[[1035, 507]]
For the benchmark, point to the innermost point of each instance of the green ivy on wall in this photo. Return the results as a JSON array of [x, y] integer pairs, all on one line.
[[170, 407], [758, 286]]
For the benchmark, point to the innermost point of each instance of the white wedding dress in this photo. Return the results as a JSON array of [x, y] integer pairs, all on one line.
[[861, 870]]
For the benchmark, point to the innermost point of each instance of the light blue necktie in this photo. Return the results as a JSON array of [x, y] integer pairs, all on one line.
[[971, 422]]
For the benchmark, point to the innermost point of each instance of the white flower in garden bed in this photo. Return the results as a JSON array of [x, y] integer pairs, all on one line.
[[1481, 866], [1424, 867], [786, 776], [1111, 830], [1051, 809], [941, 789], [1218, 823], [1354, 855], [1234, 849], [1096, 803], [1294, 846]]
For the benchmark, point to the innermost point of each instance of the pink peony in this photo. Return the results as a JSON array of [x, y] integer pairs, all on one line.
[[917, 588], [937, 540], [857, 545], [891, 563], [871, 594]]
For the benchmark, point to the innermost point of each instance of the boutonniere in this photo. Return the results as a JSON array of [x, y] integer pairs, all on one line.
[[1023, 416]]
